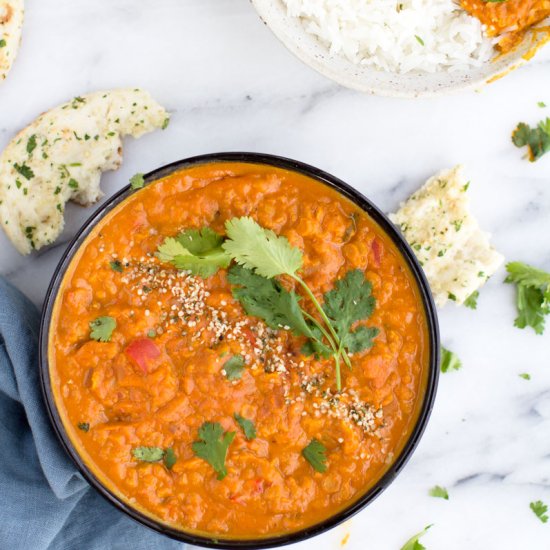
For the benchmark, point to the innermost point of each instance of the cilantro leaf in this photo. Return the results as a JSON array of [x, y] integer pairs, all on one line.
[[540, 509], [137, 181], [314, 453], [199, 252], [471, 301], [536, 139], [200, 241], [414, 543], [101, 329], [259, 249], [116, 265], [24, 170], [525, 376], [84, 426], [170, 458], [213, 446], [234, 367], [148, 454], [246, 425], [268, 300], [533, 295], [349, 301], [449, 361], [439, 492]]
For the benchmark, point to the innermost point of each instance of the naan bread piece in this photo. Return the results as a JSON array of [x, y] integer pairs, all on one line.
[[60, 157], [11, 24], [454, 252]]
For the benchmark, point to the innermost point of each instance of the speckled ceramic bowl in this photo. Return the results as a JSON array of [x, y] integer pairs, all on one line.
[[306, 47]]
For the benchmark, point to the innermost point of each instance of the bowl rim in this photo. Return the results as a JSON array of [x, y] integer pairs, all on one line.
[[497, 67], [432, 329]]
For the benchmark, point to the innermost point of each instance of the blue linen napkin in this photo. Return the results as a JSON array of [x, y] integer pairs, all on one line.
[[45, 502]]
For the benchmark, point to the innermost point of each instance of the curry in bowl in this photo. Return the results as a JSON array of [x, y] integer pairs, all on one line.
[[237, 351]]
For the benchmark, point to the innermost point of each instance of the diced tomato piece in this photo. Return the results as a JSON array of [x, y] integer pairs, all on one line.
[[376, 252], [259, 485], [142, 351]]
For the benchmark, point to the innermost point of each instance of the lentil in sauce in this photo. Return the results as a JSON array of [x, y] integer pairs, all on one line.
[[161, 375]]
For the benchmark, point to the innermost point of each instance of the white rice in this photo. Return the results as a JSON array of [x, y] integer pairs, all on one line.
[[397, 36]]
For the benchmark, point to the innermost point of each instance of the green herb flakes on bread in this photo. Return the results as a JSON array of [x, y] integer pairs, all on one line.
[[60, 157]]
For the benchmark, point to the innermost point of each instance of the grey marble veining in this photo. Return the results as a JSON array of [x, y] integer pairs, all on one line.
[[231, 86]]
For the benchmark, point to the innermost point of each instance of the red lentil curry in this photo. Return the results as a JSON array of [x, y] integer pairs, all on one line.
[[209, 419], [509, 19]]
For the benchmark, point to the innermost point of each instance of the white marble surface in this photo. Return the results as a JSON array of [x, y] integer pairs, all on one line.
[[231, 86]]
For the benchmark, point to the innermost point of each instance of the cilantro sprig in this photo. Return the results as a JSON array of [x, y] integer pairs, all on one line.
[[199, 252], [439, 492], [533, 295], [246, 425], [263, 254], [212, 446], [536, 139]]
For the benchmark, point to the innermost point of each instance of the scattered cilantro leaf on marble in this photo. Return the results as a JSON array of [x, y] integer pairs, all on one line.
[[533, 295], [536, 139], [525, 376], [213, 446], [414, 543], [439, 492], [449, 360], [540, 510]]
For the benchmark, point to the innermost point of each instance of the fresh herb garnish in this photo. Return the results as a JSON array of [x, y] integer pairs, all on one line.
[[540, 509], [439, 492], [137, 181], [533, 295], [314, 453], [31, 144], [449, 361], [419, 40], [24, 170], [414, 543], [234, 367], [471, 301], [2, 43], [156, 454], [102, 329], [525, 376], [267, 255], [165, 123], [116, 265], [170, 458], [84, 426], [541, 104], [213, 446], [246, 425], [199, 252], [148, 454], [537, 139]]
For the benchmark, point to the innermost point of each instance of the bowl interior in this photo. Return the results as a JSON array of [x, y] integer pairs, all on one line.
[[424, 409], [306, 47]]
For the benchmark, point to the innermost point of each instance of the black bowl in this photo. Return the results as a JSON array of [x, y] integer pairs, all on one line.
[[433, 333]]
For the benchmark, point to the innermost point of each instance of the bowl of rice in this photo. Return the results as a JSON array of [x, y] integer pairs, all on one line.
[[410, 48]]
